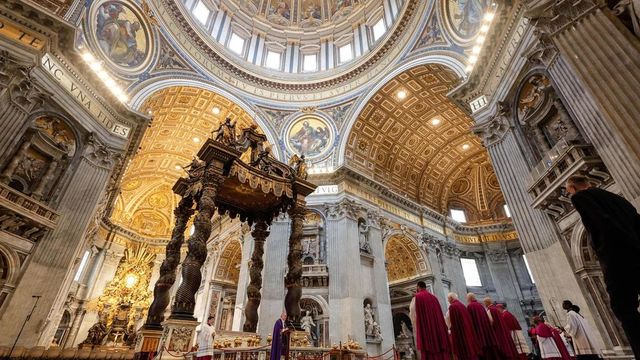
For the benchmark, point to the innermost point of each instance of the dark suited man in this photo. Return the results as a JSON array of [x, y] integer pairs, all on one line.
[[614, 227]]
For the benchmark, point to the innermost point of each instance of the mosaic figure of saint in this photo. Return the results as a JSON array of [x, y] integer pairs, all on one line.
[[117, 35]]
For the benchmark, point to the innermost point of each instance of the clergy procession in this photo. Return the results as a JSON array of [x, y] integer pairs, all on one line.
[[491, 332]]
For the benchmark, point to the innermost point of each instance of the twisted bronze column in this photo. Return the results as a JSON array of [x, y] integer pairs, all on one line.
[[259, 235], [185, 300], [161, 296], [294, 276]]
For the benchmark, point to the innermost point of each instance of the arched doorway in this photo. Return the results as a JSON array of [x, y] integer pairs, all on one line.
[[588, 269], [225, 285], [317, 309]]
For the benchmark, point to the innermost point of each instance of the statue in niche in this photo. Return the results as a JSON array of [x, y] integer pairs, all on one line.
[[368, 320], [404, 330], [226, 132], [363, 235], [629, 13], [306, 322]]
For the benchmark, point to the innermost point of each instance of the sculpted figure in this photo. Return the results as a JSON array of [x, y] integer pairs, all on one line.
[[368, 320], [226, 132], [363, 231], [307, 322]]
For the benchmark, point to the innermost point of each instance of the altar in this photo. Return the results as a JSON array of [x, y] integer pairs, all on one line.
[[238, 177]]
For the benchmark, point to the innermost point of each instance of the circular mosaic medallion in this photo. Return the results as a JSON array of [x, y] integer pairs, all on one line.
[[310, 136], [464, 17], [122, 34]]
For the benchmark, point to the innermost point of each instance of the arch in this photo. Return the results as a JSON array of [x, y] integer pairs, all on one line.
[[578, 239], [144, 90], [404, 259], [447, 59], [12, 263], [227, 268], [324, 305]]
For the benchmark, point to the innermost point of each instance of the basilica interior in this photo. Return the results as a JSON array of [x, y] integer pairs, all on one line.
[[374, 144]]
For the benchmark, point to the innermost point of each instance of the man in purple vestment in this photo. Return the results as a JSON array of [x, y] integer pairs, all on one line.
[[279, 338]]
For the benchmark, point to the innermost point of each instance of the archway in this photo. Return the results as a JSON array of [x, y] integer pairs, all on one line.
[[588, 269], [405, 260], [224, 288]]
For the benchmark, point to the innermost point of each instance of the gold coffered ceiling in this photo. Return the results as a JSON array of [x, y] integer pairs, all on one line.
[[182, 120], [396, 141], [404, 259]]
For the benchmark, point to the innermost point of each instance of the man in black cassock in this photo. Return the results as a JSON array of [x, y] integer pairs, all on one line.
[[614, 227]]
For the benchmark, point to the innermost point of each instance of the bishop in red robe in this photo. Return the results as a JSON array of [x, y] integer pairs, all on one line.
[[513, 326], [507, 347], [431, 330], [485, 334], [463, 339]]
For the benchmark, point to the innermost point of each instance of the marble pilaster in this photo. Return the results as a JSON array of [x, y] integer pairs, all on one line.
[[381, 287], [50, 273], [275, 268], [346, 290]]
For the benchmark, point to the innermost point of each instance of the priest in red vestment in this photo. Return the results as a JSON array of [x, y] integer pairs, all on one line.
[[431, 330], [507, 347], [515, 330], [551, 345], [463, 339], [485, 335]]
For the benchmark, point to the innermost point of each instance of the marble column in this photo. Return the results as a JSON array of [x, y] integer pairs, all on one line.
[[185, 300], [167, 276], [272, 302], [259, 234], [504, 279], [293, 280], [597, 71], [243, 280], [49, 273], [538, 234], [105, 266]]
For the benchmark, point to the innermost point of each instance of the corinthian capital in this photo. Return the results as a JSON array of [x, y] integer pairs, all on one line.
[[99, 153], [492, 131]]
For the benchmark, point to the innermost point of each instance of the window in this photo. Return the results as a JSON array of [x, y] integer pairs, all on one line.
[[236, 44], [346, 53], [458, 215], [379, 29], [470, 271], [507, 212], [526, 263], [83, 264], [273, 60], [201, 12], [310, 62]]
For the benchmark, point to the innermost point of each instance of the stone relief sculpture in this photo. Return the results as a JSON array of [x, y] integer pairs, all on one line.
[[404, 330], [363, 235]]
